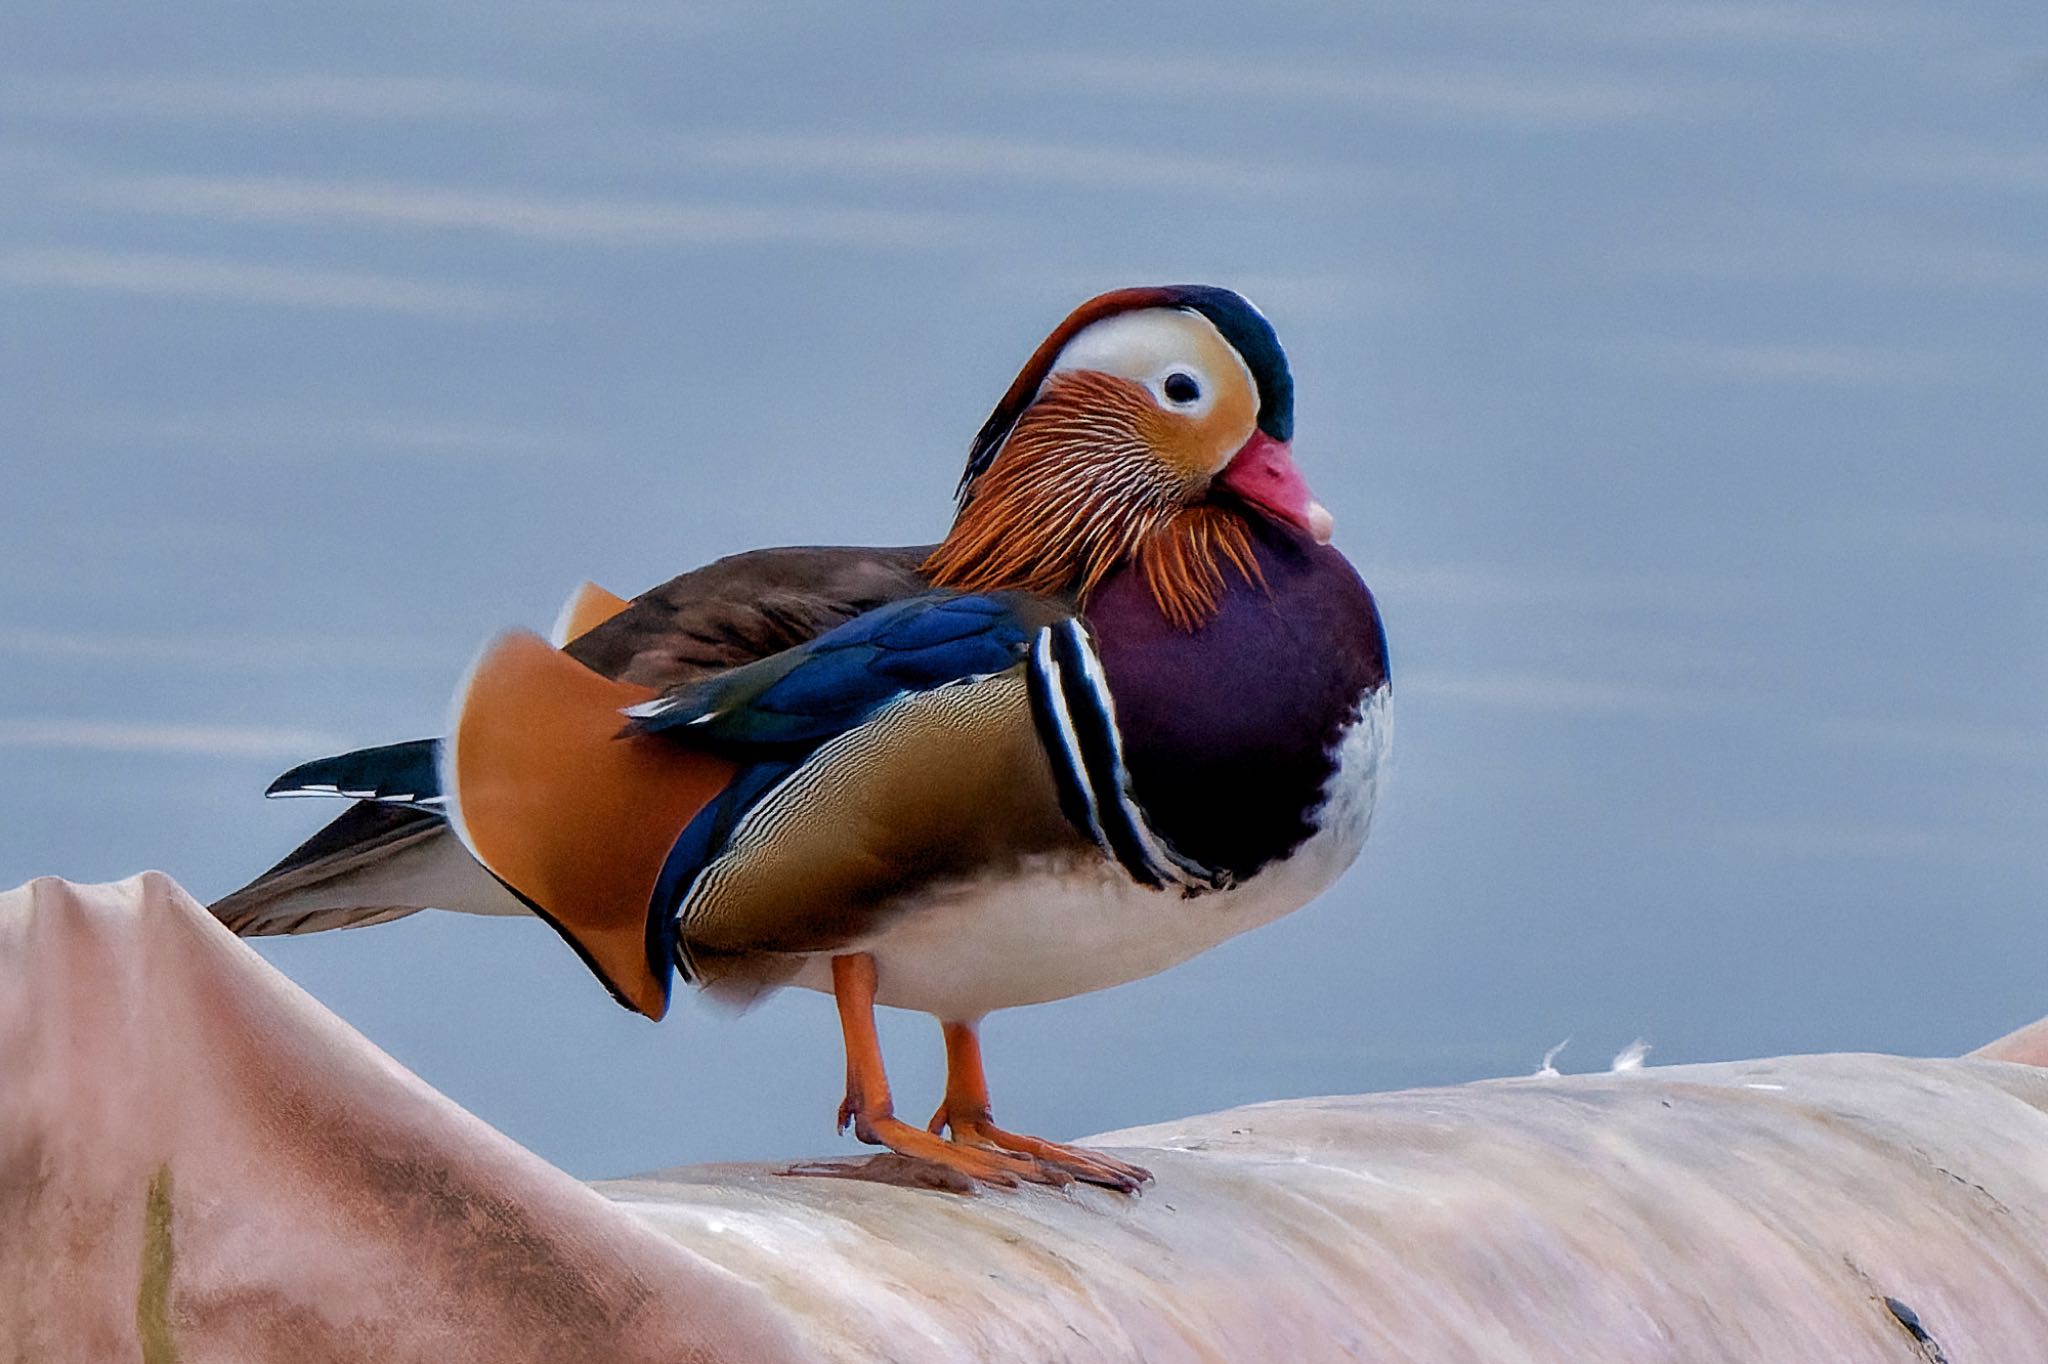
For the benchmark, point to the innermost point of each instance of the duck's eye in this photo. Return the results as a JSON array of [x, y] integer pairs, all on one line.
[[1181, 388]]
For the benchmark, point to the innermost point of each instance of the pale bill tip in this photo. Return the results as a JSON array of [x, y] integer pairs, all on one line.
[[1321, 525]]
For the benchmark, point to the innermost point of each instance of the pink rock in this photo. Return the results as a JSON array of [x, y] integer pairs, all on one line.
[[198, 1162]]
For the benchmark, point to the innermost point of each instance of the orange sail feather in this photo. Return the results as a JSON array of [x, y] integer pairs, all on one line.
[[573, 815]]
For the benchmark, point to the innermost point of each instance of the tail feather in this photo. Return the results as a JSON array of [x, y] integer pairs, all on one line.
[[573, 815], [373, 864], [402, 774]]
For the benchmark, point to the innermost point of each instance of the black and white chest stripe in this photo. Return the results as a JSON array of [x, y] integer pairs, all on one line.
[[1076, 719]]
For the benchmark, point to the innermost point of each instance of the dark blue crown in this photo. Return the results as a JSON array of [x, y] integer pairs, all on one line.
[[1248, 331]]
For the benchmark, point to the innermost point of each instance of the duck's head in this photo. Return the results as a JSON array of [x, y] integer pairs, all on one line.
[[1150, 427]]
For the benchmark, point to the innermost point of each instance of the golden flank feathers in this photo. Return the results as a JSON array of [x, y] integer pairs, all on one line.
[[1079, 488]]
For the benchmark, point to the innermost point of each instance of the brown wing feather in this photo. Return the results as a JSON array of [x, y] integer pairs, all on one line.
[[744, 608], [286, 899], [374, 864]]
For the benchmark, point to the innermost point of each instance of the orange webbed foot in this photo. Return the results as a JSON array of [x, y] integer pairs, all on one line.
[[981, 1164], [1078, 1162]]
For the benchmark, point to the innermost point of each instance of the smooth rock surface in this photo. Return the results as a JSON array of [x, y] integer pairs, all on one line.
[[198, 1162]]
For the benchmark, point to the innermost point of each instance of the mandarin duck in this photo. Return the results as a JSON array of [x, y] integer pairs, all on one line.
[[1132, 705]]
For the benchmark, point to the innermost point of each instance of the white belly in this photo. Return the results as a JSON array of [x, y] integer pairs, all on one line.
[[966, 950]]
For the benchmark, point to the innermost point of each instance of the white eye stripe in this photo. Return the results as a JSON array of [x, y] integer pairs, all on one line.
[[1150, 347]]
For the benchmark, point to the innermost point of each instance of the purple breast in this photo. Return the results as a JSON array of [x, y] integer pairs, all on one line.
[[1229, 732]]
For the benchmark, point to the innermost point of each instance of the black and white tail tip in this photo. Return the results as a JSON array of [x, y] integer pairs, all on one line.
[[391, 774]]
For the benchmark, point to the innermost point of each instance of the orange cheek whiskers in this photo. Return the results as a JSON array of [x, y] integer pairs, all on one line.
[[1184, 559], [1079, 489]]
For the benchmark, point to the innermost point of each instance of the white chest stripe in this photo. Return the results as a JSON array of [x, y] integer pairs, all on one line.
[[1077, 723], [1062, 744]]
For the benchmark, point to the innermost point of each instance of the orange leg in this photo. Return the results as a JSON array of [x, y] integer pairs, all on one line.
[[966, 1112], [868, 1107]]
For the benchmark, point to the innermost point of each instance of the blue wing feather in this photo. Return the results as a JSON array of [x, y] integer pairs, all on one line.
[[695, 846], [773, 713], [804, 696], [942, 622]]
